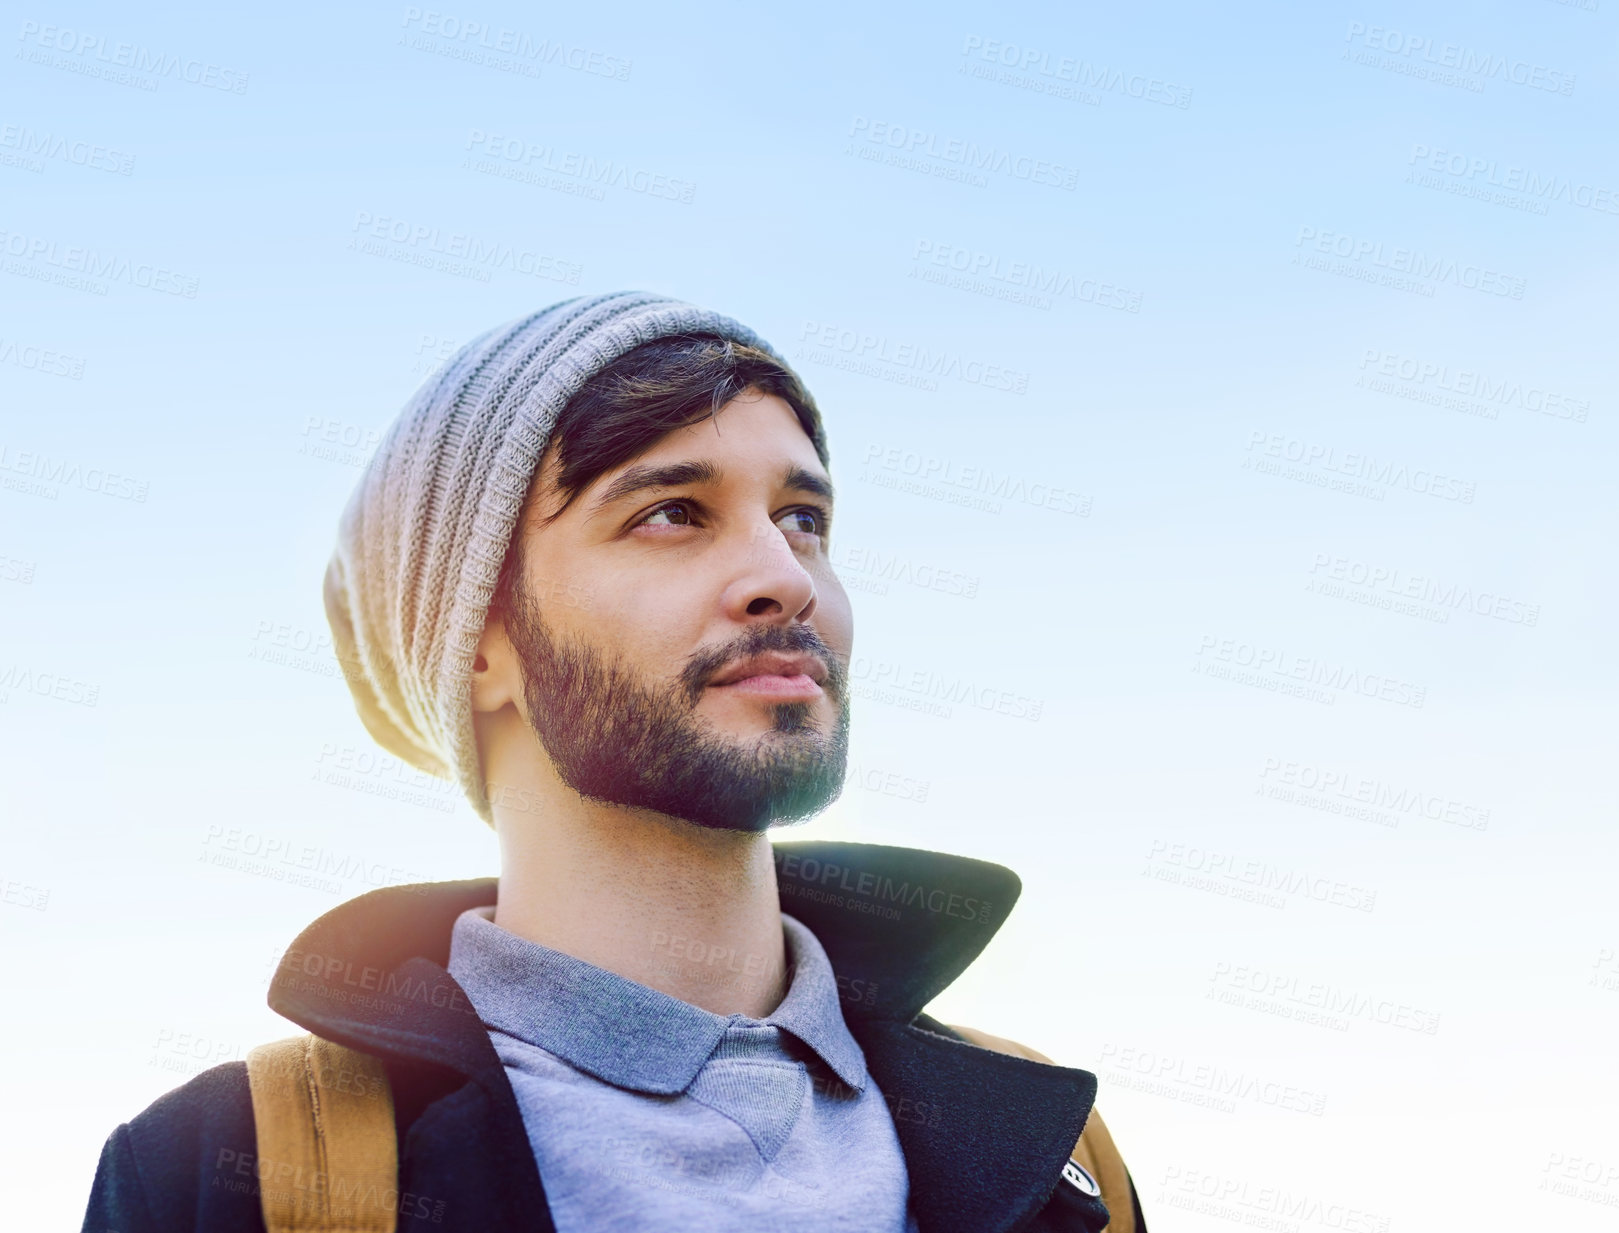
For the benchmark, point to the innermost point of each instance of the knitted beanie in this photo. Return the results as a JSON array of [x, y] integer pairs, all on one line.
[[422, 539]]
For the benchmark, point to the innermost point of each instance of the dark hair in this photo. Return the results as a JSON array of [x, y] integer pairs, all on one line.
[[638, 399]]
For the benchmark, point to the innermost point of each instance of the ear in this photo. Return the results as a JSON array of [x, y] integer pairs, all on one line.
[[497, 678]]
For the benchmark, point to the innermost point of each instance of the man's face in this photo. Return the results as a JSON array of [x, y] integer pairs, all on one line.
[[638, 602]]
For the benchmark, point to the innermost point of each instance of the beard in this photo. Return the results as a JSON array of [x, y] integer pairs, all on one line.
[[614, 740]]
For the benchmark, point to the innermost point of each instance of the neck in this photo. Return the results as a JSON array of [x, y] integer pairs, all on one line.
[[688, 911]]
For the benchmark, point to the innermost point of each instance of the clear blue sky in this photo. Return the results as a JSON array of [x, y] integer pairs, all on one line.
[[1260, 363]]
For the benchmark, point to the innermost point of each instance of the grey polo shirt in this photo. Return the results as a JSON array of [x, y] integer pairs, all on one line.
[[646, 1112]]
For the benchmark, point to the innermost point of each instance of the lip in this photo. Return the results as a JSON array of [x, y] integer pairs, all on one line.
[[777, 665], [770, 684], [774, 685]]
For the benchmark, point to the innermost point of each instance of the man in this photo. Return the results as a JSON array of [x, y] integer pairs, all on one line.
[[588, 575]]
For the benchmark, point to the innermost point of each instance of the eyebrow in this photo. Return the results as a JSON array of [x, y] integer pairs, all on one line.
[[677, 474]]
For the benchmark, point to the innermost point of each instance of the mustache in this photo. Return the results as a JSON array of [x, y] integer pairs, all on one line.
[[760, 640]]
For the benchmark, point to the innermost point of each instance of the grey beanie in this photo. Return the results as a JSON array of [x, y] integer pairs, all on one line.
[[422, 539]]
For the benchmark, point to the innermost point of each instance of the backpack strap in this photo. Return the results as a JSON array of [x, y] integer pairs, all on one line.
[[328, 1159], [1095, 1152]]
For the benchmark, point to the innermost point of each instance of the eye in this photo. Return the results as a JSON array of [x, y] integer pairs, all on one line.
[[809, 519], [819, 520], [666, 507]]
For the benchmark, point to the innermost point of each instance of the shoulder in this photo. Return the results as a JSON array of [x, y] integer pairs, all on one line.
[[999, 1044], [185, 1161], [1095, 1153]]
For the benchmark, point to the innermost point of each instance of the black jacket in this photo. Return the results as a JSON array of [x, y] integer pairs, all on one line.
[[985, 1134]]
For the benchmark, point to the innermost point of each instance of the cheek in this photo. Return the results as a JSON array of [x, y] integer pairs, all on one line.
[[567, 596], [646, 621], [834, 617]]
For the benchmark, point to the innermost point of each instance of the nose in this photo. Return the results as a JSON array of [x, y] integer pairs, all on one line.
[[768, 580]]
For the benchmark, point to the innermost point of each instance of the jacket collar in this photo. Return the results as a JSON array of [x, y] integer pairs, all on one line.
[[898, 924], [985, 1134], [580, 1018]]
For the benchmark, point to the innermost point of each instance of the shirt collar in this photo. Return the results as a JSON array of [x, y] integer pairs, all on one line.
[[626, 1033]]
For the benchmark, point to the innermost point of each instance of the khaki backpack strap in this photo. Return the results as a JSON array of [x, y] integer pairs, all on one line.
[[1094, 1152], [328, 1160]]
